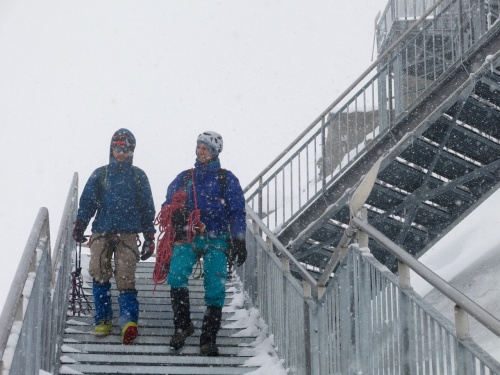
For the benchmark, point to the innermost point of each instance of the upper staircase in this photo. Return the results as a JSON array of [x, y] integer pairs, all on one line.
[[428, 110]]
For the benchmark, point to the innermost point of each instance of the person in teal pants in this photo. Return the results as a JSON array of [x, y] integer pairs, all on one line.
[[216, 195]]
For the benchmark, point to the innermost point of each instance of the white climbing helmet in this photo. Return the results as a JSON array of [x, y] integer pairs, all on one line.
[[212, 140]]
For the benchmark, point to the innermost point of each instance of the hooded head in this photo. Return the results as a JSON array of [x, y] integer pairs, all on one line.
[[212, 140], [122, 139]]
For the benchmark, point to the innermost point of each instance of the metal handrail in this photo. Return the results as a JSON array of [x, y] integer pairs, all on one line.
[[40, 305], [281, 248], [380, 60], [68, 216], [363, 191], [64, 250], [394, 10], [381, 101], [460, 299], [333, 322], [13, 308]]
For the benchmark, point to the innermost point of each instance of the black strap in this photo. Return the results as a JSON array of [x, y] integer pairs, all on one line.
[[221, 177]]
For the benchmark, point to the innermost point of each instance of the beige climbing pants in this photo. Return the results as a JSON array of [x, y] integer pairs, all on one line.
[[121, 246]]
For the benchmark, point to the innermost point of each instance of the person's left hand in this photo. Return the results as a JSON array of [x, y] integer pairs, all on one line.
[[239, 255], [148, 247]]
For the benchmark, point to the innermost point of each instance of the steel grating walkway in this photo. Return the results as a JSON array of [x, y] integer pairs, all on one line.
[[441, 161]]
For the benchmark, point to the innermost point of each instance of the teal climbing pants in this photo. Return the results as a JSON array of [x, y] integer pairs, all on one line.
[[213, 253]]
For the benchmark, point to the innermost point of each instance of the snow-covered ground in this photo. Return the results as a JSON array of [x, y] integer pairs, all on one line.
[[468, 257], [480, 282]]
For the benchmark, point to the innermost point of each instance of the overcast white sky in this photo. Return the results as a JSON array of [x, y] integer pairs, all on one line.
[[71, 73]]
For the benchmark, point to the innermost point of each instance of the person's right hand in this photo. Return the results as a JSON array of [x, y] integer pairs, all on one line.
[[148, 247], [78, 232]]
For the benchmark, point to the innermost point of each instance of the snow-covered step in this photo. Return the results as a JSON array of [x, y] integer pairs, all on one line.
[[146, 331], [84, 353], [226, 348], [154, 369], [148, 337]]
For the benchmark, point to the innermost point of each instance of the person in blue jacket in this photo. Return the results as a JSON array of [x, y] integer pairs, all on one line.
[[119, 195], [221, 204]]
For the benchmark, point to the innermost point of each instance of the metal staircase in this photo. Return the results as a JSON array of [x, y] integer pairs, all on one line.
[[430, 180], [82, 351], [429, 109]]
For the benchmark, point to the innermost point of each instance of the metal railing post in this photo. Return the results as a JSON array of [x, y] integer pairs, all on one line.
[[323, 154], [461, 323], [365, 299], [404, 276], [463, 358], [259, 200], [362, 236]]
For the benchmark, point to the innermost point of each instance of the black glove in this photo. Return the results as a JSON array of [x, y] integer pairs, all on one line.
[[148, 247], [78, 232], [239, 254], [180, 221]]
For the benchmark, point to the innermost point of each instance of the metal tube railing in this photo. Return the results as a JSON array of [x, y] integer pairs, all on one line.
[[35, 309], [461, 300], [399, 10], [282, 249], [64, 249], [14, 308], [366, 320], [281, 300], [380, 60]]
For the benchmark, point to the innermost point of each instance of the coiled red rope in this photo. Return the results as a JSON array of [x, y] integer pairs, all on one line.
[[166, 237]]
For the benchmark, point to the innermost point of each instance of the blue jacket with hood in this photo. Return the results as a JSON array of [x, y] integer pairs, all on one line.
[[217, 211], [121, 195]]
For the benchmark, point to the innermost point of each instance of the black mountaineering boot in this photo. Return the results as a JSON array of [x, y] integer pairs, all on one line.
[[182, 317], [211, 325]]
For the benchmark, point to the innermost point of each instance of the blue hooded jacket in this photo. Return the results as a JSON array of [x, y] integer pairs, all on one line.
[[216, 211], [120, 196]]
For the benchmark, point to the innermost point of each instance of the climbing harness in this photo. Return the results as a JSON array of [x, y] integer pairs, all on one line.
[[78, 297], [112, 242], [195, 226]]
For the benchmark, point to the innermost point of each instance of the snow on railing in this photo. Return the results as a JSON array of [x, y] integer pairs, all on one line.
[[63, 263], [399, 10], [35, 307], [25, 306], [365, 319]]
